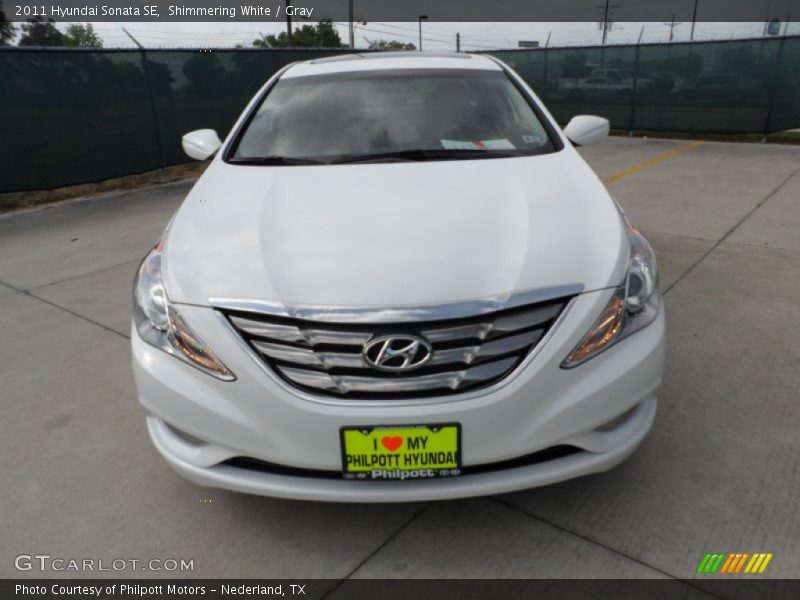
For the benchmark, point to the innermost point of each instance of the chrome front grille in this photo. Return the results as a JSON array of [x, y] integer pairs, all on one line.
[[326, 358]]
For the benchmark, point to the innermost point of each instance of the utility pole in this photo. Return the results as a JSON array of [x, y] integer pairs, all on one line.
[[641, 33], [350, 22], [458, 42], [421, 19], [694, 20], [547, 43], [672, 24], [606, 25], [289, 24], [766, 19]]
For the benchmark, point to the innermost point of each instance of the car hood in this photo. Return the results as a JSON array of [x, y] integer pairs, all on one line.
[[394, 234]]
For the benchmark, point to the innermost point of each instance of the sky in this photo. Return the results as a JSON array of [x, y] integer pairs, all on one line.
[[436, 36]]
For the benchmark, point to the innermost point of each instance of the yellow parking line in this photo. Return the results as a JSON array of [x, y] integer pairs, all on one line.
[[653, 161]]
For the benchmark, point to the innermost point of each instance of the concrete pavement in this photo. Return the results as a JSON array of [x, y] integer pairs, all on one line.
[[719, 471]]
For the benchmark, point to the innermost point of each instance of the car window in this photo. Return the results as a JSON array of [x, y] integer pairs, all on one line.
[[328, 117]]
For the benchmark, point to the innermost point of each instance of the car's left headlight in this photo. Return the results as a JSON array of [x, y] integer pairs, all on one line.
[[633, 305], [160, 323]]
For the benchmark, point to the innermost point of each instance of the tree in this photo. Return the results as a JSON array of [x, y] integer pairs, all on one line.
[[82, 36], [263, 41], [205, 74], [7, 30], [390, 45], [321, 35], [39, 31]]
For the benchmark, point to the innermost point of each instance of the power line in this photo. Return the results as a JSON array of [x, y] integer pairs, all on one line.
[[559, 38], [442, 38], [411, 37], [426, 36], [465, 39], [432, 31]]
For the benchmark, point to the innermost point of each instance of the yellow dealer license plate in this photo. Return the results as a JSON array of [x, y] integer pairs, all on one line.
[[401, 452]]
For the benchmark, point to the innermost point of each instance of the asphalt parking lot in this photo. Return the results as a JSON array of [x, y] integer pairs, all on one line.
[[720, 471]]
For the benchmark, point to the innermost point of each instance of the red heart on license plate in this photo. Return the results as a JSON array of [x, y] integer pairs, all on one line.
[[392, 443]]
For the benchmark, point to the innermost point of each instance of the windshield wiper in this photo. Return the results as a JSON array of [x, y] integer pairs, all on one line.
[[275, 160], [421, 155]]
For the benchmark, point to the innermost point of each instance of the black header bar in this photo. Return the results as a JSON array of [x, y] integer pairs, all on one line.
[[398, 589], [405, 10]]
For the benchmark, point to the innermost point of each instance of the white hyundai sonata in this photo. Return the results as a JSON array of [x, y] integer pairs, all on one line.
[[397, 280]]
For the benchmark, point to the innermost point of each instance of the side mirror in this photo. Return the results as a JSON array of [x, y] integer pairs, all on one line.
[[584, 130], [201, 144]]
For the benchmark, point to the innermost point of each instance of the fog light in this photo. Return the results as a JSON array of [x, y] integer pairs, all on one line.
[[186, 437], [616, 421]]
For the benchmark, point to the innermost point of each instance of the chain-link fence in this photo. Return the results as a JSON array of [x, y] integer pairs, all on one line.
[[76, 116], [745, 86]]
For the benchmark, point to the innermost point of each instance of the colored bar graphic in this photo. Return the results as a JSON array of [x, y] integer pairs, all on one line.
[[756, 559], [765, 563], [740, 564], [711, 563], [704, 564], [734, 563], [718, 563], [727, 564]]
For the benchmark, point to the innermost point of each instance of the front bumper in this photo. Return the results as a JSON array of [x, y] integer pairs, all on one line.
[[198, 423], [172, 448]]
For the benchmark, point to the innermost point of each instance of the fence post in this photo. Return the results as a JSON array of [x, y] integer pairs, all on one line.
[[153, 110], [635, 89], [544, 87], [152, 102], [772, 86]]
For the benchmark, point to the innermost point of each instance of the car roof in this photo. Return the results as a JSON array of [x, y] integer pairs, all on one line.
[[373, 61]]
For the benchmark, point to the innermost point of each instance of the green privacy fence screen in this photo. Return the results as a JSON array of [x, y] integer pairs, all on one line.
[[743, 86], [77, 116]]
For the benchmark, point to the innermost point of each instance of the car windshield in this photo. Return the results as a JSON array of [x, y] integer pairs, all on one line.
[[420, 114]]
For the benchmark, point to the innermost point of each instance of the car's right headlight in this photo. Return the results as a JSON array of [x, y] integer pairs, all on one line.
[[160, 323], [633, 306]]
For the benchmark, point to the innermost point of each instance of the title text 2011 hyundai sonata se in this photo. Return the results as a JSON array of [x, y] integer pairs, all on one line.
[[397, 280]]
